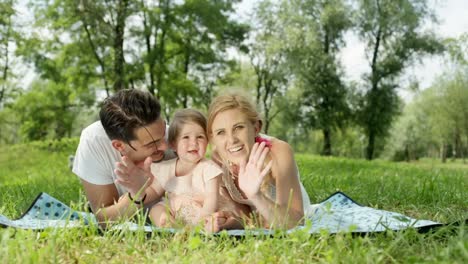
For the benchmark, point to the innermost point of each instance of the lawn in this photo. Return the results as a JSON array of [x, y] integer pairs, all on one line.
[[425, 190]]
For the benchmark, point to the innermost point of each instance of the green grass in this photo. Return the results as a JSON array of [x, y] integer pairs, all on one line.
[[425, 190]]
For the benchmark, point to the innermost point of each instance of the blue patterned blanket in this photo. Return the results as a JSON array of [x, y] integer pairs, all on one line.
[[337, 213]]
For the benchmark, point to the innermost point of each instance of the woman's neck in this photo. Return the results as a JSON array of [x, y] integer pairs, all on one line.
[[183, 168]]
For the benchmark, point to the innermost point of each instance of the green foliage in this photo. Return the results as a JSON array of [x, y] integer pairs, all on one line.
[[40, 166], [457, 50], [9, 34], [268, 58], [407, 140], [435, 120], [393, 36], [179, 50], [426, 190], [196, 50], [9, 127], [63, 145], [48, 110], [314, 35], [175, 49]]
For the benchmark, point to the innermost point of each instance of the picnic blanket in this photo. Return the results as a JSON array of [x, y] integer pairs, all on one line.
[[337, 213]]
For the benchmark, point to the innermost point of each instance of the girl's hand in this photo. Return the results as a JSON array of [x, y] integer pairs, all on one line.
[[251, 174], [214, 222], [134, 178]]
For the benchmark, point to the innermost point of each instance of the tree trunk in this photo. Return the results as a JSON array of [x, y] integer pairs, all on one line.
[[96, 56], [267, 115], [161, 56], [462, 153], [370, 146], [327, 148], [443, 153], [266, 110], [6, 66], [149, 49], [457, 148], [119, 60], [407, 153], [375, 83], [188, 54], [465, 150], [259, 84], [2, 94]]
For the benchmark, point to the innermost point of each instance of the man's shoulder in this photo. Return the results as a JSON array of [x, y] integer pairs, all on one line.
[[94, 130]]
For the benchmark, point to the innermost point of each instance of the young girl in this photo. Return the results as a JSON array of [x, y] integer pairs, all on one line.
[[191, 183]]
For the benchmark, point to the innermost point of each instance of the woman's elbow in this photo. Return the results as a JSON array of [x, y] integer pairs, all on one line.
[[297, 218]]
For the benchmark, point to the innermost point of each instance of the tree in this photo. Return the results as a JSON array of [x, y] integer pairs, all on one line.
[[157, 22], [409, 138], [104, 23], [394, 39], [7, 37], [268, 58], [175, 49], [435, 121], [97, 27], [456, 98], [314, 36], [457, 50], [47, 110], [202, 33]]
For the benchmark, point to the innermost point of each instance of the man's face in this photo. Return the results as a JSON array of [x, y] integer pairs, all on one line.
[[150, 141]]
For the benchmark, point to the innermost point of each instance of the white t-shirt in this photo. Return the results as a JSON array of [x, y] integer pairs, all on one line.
[[95, 157]]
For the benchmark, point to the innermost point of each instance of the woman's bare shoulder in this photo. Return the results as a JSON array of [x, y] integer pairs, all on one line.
[[280, 148], [282, 156]]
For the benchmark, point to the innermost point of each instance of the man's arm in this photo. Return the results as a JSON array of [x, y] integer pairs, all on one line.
[[106, 204]]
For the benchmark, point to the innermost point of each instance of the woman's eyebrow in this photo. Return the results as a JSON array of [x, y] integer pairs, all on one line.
[[235, 124], [239, 123]]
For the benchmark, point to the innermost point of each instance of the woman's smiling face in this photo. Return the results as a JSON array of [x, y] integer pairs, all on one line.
[[233, 135]]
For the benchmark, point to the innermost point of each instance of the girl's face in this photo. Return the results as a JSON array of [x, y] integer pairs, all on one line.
[[234, 135], [191, 143]]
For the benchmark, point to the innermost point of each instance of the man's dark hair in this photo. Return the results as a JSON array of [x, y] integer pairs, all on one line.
[[127, 110]]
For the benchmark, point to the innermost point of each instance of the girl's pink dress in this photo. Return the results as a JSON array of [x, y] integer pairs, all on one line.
[[186, 193]]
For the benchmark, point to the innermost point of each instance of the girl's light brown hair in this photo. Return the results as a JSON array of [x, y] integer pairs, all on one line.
[[232, 101], [182, 117]]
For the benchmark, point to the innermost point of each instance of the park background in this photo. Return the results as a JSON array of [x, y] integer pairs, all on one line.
[[360, 79], [341, 81]]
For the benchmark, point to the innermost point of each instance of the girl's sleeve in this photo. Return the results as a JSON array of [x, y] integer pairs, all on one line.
[[211, 170]]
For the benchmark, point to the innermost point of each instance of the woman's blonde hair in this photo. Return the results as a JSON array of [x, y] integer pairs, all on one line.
[[232, 101], [182, 117]]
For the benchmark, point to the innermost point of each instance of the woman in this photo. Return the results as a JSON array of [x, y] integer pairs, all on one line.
[[260, 171]]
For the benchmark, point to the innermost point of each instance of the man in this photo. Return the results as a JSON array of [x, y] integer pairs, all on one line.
[[131, 127]]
